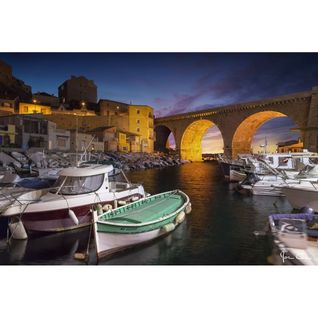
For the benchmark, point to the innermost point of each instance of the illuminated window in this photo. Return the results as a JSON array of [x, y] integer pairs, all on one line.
[[43, 110], [25, 109]]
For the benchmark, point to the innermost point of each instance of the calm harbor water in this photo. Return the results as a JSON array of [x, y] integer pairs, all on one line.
[[218, 231]]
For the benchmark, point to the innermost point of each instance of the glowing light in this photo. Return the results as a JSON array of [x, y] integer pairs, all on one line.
[[242, 140], [191, 143]]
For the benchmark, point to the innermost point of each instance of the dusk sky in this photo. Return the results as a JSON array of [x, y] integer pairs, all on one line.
[[178, 82]]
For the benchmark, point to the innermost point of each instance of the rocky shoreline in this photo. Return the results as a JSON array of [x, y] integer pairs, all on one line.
[[138, 161], [127, 161]]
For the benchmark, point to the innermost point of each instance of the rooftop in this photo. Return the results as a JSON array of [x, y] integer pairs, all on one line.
[[287, 143]]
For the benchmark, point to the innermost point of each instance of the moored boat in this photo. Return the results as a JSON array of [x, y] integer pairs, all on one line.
[[295, 238], [139, 222], [302, 195], [236, 175], [67, 205]]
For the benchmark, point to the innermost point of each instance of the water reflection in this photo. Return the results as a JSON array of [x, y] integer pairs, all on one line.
[[218, 231], [56, 248]]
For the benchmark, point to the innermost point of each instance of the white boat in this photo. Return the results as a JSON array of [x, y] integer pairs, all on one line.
[[139, 222], [67, 205], [302, 195], [295, 238], [271, 184], [236, 176]]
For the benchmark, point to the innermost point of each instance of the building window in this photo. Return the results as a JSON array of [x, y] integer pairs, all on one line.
[[138, 129], [138, 121], [25, 109], [138, 111], [61, 142], [31, 127], [43, 110]]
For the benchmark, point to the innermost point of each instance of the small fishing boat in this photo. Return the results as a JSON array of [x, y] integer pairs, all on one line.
[[139, 222], [295, 238]]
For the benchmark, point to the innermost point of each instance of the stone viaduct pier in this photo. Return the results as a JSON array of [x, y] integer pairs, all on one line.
[[238, 124]]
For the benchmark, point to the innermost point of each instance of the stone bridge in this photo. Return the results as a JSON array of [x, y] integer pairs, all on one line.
[[238, 124]]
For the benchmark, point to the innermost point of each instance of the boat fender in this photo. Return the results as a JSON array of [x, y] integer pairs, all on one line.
[[115, 204], [121, 202], [168, 227], [17, 230], [188, 209], [180, 218], [134, 198], [107, 207], [72, 215], [99, 209]]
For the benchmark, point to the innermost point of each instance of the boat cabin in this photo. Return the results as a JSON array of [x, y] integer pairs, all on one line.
[[288, 161], [87, 179]]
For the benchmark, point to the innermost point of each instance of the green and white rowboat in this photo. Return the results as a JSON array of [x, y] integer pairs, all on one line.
[[139, 222]]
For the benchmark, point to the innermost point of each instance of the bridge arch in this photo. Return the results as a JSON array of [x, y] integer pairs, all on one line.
[[162, 134], [244, 133], [191, 141]]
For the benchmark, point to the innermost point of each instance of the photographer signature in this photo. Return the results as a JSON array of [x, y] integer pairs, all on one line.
[[284, 256]]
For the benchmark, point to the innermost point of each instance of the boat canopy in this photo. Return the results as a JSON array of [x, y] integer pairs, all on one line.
[[85, 171]]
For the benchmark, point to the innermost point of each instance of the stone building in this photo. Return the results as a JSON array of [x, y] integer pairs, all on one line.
[[82, 141], [7, 106], [58, 139], [290, 146], [33, 108], [107, 135], [141, 122], [138, 120], [45, 99], [77, 89], [31, 130], [7, 135]]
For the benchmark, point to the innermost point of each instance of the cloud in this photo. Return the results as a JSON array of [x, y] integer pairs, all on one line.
[[246, 77]]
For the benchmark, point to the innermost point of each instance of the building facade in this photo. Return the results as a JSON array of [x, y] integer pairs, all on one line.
[[31, 131], [7, 135], [7, 106], [33, 108], [141, 122], [82, 141], [290, 146], [45, 99], [58, 139], [77, 89]]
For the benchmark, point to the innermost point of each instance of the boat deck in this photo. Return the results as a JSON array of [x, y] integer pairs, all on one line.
[[146, 211]]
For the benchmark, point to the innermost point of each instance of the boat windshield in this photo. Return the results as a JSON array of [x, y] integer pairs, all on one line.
[[77, 185]]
